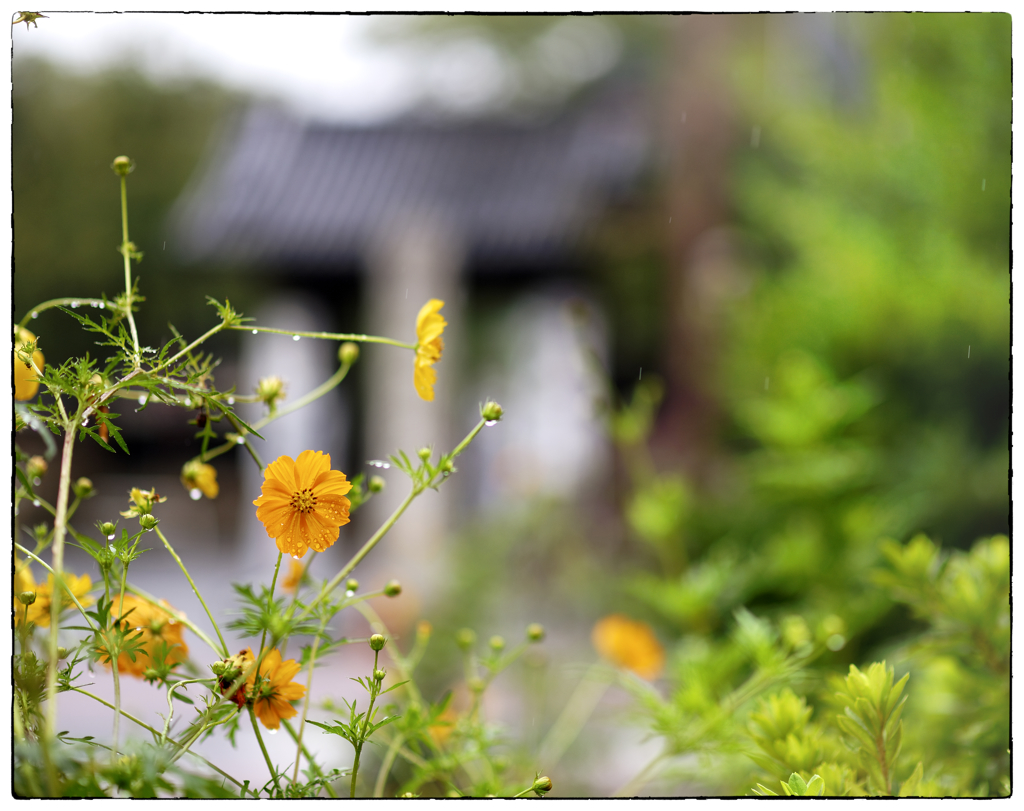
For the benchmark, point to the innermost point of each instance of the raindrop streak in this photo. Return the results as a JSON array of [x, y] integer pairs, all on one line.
[[378, 463], [755, 137], [489, 423], [683, 118], [296, 337], [641, 373], [195, 494], [766, 384], [165, 245], [407, 292], [983, 184], [968, 350]]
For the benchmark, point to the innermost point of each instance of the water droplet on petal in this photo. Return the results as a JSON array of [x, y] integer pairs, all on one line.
[[295, 557], [489, 423], [271, 731], [296, 337], [195, 494]]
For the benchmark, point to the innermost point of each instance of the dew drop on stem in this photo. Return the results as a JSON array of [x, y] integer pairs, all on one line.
[[35, 503], [35, 315], [296, 337], [231, 400], [255, 332], [489, 423]]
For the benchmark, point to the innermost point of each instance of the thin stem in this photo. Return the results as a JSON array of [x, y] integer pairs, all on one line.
[[58, 581], [208, 334], [263, 748], [386, 764], [59, 302], [329, 336], [642, 777], [309, 691], [160, 535], [128, 267], [374, 689], [270, 600], [574, 716], [115, 656], [316, 768]]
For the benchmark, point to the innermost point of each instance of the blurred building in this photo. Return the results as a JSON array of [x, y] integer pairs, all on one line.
[[407, 211]]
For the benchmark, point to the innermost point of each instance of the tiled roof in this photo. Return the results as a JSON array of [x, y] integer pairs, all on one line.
[[279, 191]]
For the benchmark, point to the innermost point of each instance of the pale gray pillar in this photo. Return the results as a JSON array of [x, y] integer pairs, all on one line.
[[413, 261]]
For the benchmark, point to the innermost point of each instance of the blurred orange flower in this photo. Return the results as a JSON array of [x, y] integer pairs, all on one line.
[[161, 635], [429, 326], [39, 611], [273, 690], [303, 505], [629, 644], [294, 576]]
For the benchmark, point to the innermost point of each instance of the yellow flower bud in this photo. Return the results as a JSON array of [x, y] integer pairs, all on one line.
[[392, 589], [35, 468], [348, 353], [377, 641], [201, 477], [122, 165]]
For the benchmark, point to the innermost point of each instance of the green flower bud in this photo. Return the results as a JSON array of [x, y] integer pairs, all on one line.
[[35, 467], [376, 484], [424, 453], [377, 641], [378, 675], [83, 488], [27, 597], [447, 466], [465, 638], [476, 684], [497, 644], [542, 785], [62, 653], [270, 390], [122, 165], [491, 411], [351, 584], [107, 529], [148, 521], [535, 632], [409, 796], [219, 668], [392, 589], [348, 353]]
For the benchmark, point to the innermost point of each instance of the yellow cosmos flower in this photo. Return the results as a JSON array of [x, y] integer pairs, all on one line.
[[273, 689], [303, 505], [202, 477], [143, 502], [161, 638], [39, 611], [26, 384], [629, 644], [429, 326]]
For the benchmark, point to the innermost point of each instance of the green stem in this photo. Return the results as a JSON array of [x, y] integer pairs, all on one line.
[[57, 598], [574, 716], [329, 336], [312, 762], [115, 655], [59, 302], [128, 268], [309, 691], [223, 645], [374, 689], [270, 601], [263, 748], [208, 334], [385, 766]]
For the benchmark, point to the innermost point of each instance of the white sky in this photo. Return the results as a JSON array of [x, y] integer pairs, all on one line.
[[320, 65]]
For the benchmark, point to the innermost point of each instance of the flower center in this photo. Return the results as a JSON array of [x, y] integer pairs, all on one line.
[[304, 501]]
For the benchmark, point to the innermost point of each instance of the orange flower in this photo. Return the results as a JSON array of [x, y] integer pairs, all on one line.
[[441, 729], [303, 504], [273, 689], [629, 644], [26, 384], [161, 639], [429, 326], [294, 577], [39, 611]]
